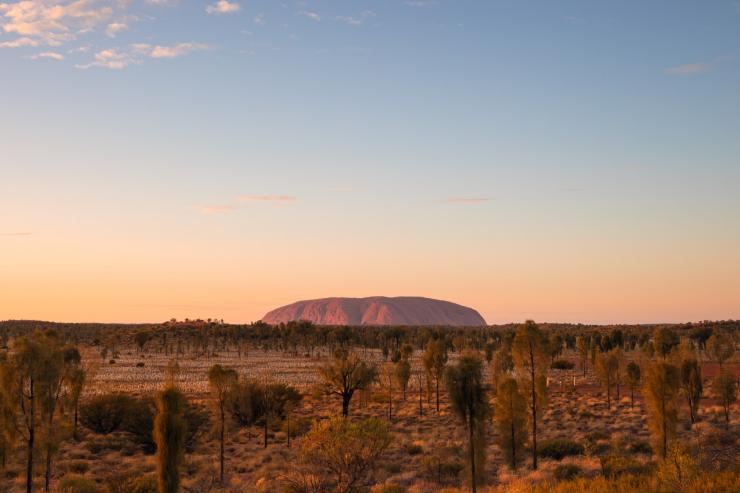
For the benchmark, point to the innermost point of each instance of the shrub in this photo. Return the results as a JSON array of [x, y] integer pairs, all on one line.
[[140, 364], [613, 466], [77, 466], [142, 484], [390, 488], [414, 449], [562, 364], [441, 470], [640, 447], [105, 413], [566, 472], [73, 483], [557, 449]]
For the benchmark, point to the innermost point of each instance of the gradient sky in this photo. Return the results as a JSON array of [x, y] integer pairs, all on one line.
[[557, 160]]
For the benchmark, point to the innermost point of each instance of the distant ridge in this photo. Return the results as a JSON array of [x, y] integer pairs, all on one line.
[[377, 310]]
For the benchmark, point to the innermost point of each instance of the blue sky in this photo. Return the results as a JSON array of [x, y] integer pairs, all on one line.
[[556, 160]]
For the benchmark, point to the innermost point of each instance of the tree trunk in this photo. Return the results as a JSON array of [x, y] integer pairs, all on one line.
[[345, 405], [513, 435], [47, 473], [31, 439], [421, 409], [472, 456], [221, 458], [437, 380], [534, 411], [665, 430]]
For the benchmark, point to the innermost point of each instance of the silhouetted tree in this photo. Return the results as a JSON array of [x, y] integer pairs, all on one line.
[[511, 421], [221, 381], [435, 360], [530, 356], [345, 375], [660, 391], [721, 347], [169, 434], [633, 380], [725, 388], [691, 385], [469, 401]]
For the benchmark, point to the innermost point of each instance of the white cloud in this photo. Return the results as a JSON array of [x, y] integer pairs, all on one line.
[[215, 209], [112, 59], [312, 15], [53, 22], [48, 54], [421, 3], [134, 54], [690, 69], [356, 21], [115, 28], [176, 50], [698, 68], [223, 7], [19, 42], [260, 19]]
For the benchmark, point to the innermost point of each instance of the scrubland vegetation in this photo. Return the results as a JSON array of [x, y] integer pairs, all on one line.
[[203, 406]]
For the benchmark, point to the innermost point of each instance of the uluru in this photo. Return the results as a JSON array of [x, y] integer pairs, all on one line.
[[377, 310]]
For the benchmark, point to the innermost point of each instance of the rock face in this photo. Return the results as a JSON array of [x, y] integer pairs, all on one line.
[[377, 310]]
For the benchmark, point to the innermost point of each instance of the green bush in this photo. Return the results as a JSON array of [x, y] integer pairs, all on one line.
[[562, 364], [73, 483], [566, 472], [557, 449]]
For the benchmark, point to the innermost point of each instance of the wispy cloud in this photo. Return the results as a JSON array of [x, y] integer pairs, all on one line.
[[690, 69], [357, 20], [177, 50], [49, 55], [216, 209], [134, 54], [223, 7], [53, 22], [19, 43], [311, 15], [114, 28], [242, 201], [17, 233], [266, 198], [260, 19], [420, 3], [466, 200], [696, 68]]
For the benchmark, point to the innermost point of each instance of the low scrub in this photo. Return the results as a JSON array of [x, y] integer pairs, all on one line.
[[557, 449], [562, 364], [73, 483], [566, 472]]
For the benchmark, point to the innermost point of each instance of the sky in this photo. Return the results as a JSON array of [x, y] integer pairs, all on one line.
[[572, 161]]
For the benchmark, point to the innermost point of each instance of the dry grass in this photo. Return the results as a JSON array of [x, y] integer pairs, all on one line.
[[576, 413]]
